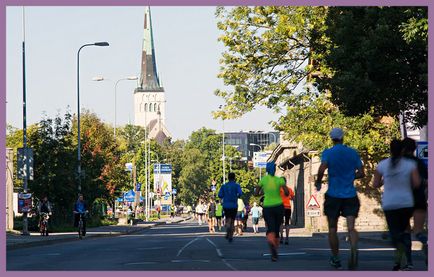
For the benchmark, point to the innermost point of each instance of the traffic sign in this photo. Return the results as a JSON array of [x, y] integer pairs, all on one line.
[[173, 191], [213, 188], [312, 203], [167, 194], [138, 186], [422, 151], [312, 207]]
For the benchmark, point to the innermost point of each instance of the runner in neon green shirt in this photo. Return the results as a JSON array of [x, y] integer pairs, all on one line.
[[219, 214], [273, 206]]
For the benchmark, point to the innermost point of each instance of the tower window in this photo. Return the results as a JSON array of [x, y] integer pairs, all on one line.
[[155, 107], [146, 107]]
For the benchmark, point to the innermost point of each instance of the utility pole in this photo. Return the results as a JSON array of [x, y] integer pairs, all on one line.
[[26, 160]]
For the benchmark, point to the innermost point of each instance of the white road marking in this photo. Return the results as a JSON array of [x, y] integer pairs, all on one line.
[[229, 265], [185, 246], [140, 263], [150, 248], [219, 253], [286, 254], [191, 261]]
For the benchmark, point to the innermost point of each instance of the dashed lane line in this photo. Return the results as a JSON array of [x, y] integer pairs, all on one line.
[[219, 253]]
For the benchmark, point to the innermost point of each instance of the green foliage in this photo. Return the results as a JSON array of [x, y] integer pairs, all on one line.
[[267, 53], [375, 60], [310, 119]]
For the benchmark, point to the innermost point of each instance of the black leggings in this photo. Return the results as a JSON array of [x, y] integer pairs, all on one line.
[[397, 221], [273, 218]]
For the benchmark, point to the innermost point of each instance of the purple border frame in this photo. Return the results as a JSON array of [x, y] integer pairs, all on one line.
[[3, 271]]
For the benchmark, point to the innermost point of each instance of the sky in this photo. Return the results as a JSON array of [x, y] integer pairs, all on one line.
[[187, 56]]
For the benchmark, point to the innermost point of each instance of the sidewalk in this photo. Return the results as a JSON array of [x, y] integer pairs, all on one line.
[[14, 239]]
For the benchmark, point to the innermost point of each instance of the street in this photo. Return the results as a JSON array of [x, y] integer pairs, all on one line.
[[187, 246]]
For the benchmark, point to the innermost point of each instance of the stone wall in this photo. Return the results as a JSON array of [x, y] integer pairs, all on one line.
[[300, 169]]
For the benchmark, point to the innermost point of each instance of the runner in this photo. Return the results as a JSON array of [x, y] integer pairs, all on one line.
[[211, 216], [399, 175], [219, 214], [229, 194], [270, 186], [256, 214], [419, 195], [344, 166], [200, 212], [246, 216], [239, 217], [287, 213]]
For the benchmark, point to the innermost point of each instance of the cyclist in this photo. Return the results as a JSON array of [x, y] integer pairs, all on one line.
[[273, 210], [229, 193], [344, 166], [80, 207], [44, 209]]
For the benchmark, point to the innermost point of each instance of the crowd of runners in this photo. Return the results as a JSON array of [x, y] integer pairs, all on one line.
[[403, 176]]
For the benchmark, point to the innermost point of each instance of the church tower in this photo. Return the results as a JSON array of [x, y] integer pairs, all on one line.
[[149, 97]]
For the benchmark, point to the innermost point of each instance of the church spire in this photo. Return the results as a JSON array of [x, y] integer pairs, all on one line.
[[149, 80]]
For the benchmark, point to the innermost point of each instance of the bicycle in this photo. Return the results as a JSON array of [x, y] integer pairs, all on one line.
[[43, 224], [81, 229]]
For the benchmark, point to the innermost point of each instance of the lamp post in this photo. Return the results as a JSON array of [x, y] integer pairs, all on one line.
[[260, 147], [78, 108], [223, 147], [130, 78]]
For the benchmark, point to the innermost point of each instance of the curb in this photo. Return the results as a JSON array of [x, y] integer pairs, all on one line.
[[74, 238]]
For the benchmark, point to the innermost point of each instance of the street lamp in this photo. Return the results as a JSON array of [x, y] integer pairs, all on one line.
[[78, 108], [260, 147], [223, 143], [130, 78]]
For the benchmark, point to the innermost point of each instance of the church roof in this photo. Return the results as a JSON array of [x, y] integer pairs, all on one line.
[[149, 80]]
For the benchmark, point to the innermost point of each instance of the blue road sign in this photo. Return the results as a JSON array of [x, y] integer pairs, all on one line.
[[173, 191], [422, 151], [138, 186]]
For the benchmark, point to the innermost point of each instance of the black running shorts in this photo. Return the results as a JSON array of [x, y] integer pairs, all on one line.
[[335, 207]]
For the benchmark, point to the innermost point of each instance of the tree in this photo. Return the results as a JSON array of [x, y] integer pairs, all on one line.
[[267, 54], [311, 118], [375, 60]]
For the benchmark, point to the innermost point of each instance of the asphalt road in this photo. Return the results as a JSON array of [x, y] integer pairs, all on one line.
[[187, 246]]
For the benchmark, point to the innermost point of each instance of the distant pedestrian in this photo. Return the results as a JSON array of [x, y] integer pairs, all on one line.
[[246, 216], [286, 199], [419, 195], [200, 212], [219, 214], [344, 166], [256, 214], [229, 193], [211, 216], [239, 217], [270, 186], [399, 175]]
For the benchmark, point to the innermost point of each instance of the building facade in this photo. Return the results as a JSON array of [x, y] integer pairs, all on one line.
[[149, 97], [243, 141]]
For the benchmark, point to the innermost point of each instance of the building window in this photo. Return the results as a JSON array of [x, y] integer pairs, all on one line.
[[155, 107], [150, 107], [146, 107]]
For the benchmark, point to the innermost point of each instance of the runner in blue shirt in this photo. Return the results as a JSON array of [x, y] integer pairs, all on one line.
[[229, 193], [344, 166]]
